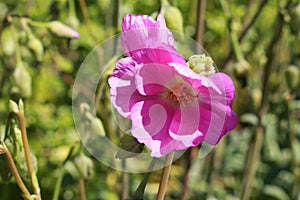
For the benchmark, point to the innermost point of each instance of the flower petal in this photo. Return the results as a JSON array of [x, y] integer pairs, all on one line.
[[123, 91], [185, 123], [151, 120], [148, 41], [154, 79], [216, 115]]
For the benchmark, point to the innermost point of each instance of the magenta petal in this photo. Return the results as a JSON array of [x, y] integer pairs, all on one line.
[[217, 117], [123, 91], [148, 41], [184, 126], [151, 120], [154, 79]]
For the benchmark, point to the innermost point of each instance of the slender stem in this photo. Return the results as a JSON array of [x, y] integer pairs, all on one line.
[[254, 150], [139, 193], [72, 10], [58, 183], [82, 189], [233, 36], [200, 22], [31, 172], [165, 177], [14, 171], [125, 181], [86, 17]]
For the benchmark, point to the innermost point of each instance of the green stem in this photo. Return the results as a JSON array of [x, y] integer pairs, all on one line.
[[72, 8], [233, 35], [165, 177], [58, 183], [139, 193], [14, 171]]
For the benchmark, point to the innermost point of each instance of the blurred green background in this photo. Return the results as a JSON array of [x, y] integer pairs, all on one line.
[[256, 42]]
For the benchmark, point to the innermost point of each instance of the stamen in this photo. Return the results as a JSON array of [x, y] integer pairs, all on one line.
[[180, 93]]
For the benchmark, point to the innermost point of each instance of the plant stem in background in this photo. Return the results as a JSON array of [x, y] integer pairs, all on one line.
[[165, 177], [245, 30], [14, 171], [253, 157], [58, 183], [86, 18], [200, 22], [82, 189], [139, 193]]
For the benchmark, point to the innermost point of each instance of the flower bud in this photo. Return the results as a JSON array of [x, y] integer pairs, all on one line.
[[292, 77], [13, 106], [61, 30], [173, 17], [202, 64], [72, 21], [36, 46], [256, 96], [295, 19], [130, 147], [84, 165], [22, 80], [8, 44]]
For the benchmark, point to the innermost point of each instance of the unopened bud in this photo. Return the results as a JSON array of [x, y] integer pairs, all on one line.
[[62, 30], [130, 147], [173, 17], [202, 64], [36, 46], [84, 165], [8, 44], [295, 19], [256, 96], [72, 21], [292, 77], [13, 107], [22, 80]]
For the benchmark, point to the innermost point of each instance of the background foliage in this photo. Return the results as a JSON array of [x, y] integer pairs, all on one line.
[[256, 42]]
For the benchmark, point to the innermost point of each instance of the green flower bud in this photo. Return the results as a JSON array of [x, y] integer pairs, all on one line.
[[173, 17], [292, 77], [8, 44], [36, 46], [84, 165], [202, 64], [61, 30], [22, 80], [249, 118], [295, 19], [2, 133], [130, 147], [256, 96], [241, 69], [72, 21], [13, 106]]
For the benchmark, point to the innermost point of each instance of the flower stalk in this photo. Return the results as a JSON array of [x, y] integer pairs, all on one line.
[[14, 171], [165, 177]]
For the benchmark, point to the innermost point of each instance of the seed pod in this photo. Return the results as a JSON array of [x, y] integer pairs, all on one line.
[[61, 30], [292, 77], [22, 80]]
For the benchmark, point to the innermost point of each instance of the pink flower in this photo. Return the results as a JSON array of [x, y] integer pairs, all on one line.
[[170, 106]]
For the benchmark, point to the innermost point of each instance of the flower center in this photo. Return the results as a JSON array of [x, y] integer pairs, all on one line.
[[181, 94]]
